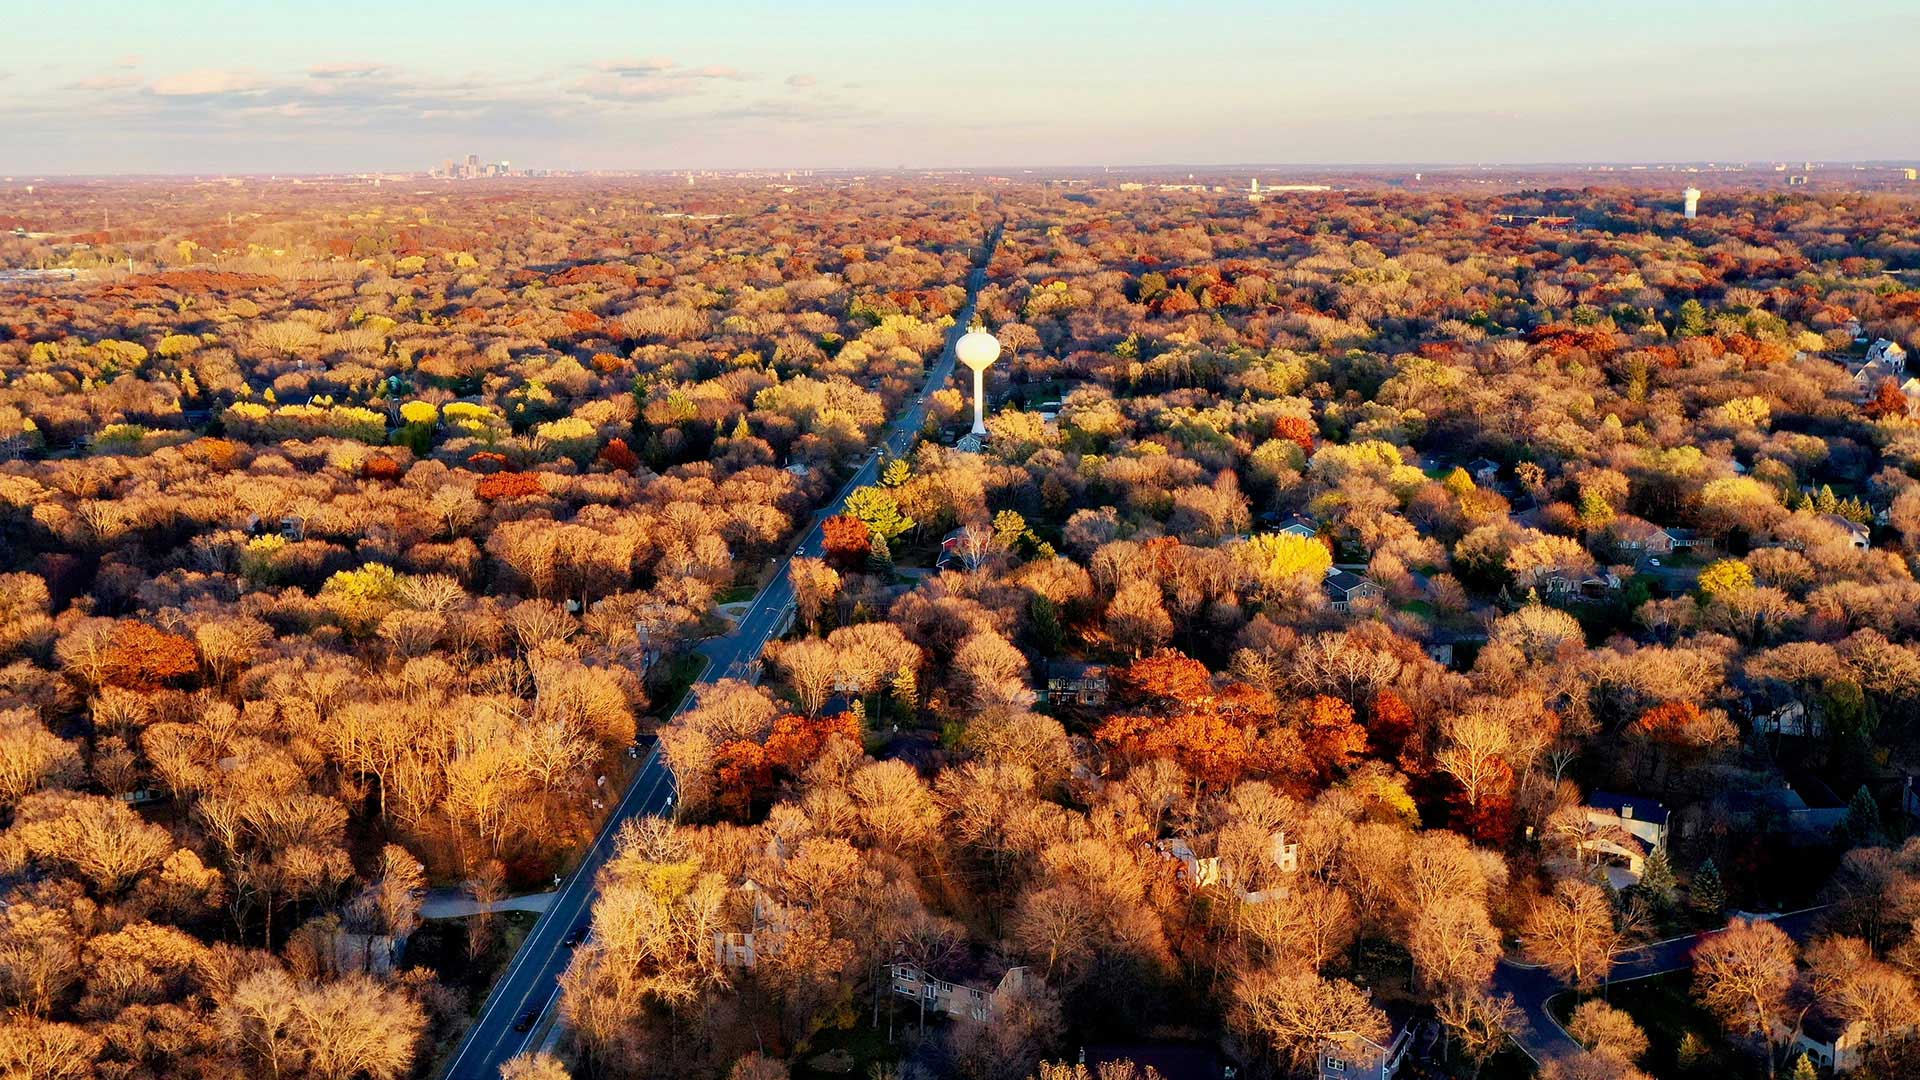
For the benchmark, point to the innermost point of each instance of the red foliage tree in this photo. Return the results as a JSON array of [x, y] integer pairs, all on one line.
[[141, 657], [1211, 733], [1296, 430], [1887, 401], [847, 540], [748, 770], [383, 468], [1389, 722], [617, 455], [1335, 742], [486, 461], [509, 485], [1490, 821]]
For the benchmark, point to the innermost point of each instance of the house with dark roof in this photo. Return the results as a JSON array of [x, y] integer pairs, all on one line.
[[1349, 1055], [1690, 541], [1073, 682], [1833, 1042], [1300, 525], [1623, 831], [1889, 354], [1344, 588]]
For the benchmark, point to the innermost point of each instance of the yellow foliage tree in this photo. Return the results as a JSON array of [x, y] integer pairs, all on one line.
[[1725, 578]]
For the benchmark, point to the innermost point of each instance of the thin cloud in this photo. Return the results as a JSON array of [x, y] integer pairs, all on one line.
[[802, 81], [652, 65], [105, 82], [206, 82], [350, 71]]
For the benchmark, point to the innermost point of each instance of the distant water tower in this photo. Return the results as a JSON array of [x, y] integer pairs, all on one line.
[[978, 350], [1692, 195]]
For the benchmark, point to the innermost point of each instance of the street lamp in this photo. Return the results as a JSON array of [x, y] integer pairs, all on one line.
[[978, 350]]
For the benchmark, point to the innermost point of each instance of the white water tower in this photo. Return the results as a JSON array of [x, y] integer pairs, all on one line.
[[1692, 196], [978, 350]]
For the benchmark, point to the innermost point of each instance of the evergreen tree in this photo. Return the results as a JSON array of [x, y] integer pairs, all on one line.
[[1693, 319], [1803, 1069], [1863, 818], [1691, 1052], [879, 555], [1595, 511], [1709, 892], [1047, 631], [1657, 881]]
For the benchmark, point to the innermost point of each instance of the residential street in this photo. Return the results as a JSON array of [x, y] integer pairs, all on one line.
[[530, 984], [1532, 988]]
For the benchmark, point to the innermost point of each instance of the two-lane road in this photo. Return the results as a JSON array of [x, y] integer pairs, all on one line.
[[531, 984]]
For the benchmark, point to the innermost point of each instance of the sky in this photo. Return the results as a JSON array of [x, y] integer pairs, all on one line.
[[299, 86]]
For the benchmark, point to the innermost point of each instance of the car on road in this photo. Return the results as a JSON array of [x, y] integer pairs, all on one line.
[[527, 1020], [575, 936]]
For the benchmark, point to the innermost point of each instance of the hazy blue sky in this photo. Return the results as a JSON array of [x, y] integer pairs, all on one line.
[[316, 85]]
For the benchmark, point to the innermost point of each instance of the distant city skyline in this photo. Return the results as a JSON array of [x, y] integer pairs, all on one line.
[[98, 87]]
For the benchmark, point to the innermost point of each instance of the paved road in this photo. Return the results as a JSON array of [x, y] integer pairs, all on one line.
[[1532, 988], [530, 984]]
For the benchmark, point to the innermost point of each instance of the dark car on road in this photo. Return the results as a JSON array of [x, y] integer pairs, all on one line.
[[575, 936], [527, 1020]]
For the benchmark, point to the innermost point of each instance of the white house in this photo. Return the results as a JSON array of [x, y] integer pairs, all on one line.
[[1833, 1043], [1857, 534], [1623, 830], [1348, 1055], [769, 923], [1888, 353], [958, 999], [1298, 525], [1203, 872]]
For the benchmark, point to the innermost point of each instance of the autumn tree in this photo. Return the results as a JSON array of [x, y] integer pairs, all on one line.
[[1607, 1031], [1292, 1016], [846, 540], [1572, 933], [1742, 974], [141, 657]]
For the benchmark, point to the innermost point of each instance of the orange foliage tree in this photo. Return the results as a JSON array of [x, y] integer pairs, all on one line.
[[1209, 732], [1335, 742], [509, 485], [748, 770], [383, 468], [1389, 723], [141, 657], [1887, 401], [1296, 430], [847, 539], [617, 455]]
